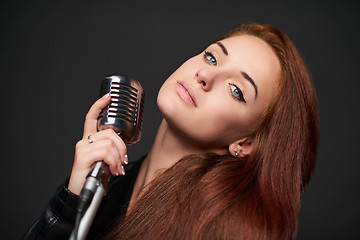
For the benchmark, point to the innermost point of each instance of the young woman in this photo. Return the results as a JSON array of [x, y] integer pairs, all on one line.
[[235, 150]]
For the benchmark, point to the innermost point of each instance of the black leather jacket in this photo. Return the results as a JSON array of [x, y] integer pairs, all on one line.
[[57, 220]]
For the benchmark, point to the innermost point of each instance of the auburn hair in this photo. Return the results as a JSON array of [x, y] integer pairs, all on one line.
[[212, 196]]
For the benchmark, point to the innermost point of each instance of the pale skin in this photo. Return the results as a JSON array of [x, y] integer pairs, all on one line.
[[202, 109]]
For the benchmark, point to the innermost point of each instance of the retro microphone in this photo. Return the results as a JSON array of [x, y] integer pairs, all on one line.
[[125, 112], [124, 115]]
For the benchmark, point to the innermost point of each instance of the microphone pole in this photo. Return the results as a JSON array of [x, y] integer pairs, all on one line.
[[92, 193], [124, 115]]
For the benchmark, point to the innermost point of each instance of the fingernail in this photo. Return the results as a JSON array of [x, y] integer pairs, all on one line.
[[126, 159], [119, 170], [117, 173], [106, 95], [122, 170]]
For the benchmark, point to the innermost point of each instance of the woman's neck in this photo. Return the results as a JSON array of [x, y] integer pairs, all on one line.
[[168, 148]]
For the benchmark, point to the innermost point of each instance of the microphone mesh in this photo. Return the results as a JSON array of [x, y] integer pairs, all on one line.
[[124, 114]]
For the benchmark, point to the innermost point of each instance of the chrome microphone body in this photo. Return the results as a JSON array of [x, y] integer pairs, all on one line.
[[124, 115]]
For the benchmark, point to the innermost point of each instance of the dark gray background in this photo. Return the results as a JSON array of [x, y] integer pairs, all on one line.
[[55, 54]]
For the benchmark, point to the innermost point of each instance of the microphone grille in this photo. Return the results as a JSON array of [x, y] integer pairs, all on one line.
[[124, 113]]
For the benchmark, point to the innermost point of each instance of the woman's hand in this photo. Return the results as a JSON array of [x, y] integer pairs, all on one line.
[[106, 146]]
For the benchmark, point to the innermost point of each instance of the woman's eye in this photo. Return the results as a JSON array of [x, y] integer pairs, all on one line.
[[237, 93], [209, 57]]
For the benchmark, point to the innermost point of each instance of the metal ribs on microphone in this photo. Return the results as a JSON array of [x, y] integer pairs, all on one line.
[[124, 114]]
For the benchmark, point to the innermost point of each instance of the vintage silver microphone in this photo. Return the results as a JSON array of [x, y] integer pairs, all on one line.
[[124, 115]]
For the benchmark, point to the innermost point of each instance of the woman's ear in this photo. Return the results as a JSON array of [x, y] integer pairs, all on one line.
[[241, 148]]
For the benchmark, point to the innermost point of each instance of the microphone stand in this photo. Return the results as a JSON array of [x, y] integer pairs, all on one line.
[[92, 193]]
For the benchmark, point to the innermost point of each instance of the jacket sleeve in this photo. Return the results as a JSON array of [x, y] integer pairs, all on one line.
[[58, 218]]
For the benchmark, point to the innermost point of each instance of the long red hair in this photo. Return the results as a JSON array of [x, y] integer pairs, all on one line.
[[212, 196]]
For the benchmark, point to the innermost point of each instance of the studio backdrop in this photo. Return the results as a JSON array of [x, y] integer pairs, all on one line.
[[54, 55]]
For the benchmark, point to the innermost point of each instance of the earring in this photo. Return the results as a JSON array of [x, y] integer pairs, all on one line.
[[236, 151]]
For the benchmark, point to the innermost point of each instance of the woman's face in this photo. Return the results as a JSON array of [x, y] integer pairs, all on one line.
[[218, 96]]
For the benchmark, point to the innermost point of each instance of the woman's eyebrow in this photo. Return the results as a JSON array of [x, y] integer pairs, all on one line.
[[223, 48], [247, 77]]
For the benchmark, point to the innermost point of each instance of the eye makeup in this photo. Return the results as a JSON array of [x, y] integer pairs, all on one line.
[[236, 92], [210, 58]]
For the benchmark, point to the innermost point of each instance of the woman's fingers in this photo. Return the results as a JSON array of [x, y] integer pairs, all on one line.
[[103, 150], [104, 146], [97, 146], [90, 125], [104, 143], [119, 143]]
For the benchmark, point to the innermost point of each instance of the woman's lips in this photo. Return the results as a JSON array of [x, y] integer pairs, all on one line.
[[186, 92]]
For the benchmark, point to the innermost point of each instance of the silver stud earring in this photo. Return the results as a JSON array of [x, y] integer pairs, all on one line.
[[236, 151]]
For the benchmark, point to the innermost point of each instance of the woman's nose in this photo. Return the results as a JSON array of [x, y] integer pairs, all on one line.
[[206, 77]]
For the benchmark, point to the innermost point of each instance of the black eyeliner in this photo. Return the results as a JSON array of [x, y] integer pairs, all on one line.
[[241, 97], [206, 53]]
